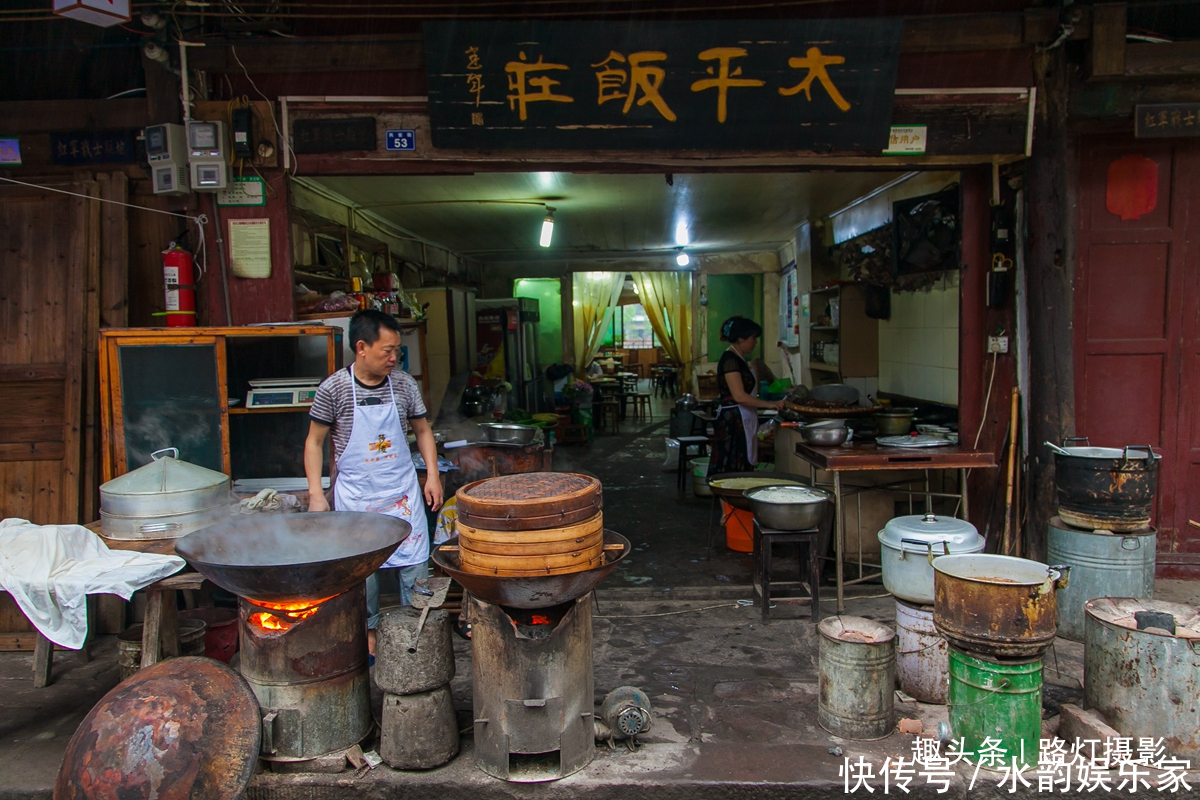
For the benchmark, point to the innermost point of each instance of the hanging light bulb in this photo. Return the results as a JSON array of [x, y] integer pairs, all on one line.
[[547, 228], [682, 259]]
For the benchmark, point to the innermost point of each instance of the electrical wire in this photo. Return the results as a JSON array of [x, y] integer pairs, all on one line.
[[280, 138], [986, 399]]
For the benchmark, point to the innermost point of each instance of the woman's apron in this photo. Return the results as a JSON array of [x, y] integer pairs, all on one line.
[[749, 426], [376, 474]]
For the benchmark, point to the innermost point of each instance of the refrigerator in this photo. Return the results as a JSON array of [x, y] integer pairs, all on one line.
[[506, 348]]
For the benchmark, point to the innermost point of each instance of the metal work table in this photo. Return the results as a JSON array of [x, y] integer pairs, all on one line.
[[870, 457]]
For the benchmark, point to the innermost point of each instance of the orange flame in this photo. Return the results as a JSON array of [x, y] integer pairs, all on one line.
[[538, 619], [296, 612]]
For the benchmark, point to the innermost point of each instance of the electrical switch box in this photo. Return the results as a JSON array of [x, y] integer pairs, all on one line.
[[208, 155], [997, 344], [167, 156], [242, 125]]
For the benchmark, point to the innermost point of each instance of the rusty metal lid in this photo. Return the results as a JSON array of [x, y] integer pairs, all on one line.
[[185, 727], [529, 496], [1153, 617]]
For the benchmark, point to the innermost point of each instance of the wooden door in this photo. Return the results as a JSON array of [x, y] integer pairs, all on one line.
[[49, 255], [1137, 345]]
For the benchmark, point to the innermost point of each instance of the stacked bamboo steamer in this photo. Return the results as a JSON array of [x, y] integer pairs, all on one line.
[[531, 524]]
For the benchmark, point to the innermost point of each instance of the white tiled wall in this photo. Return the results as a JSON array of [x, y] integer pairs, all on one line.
[[918, 346]]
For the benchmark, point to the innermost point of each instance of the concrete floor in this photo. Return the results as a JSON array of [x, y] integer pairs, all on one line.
[[735, 702]]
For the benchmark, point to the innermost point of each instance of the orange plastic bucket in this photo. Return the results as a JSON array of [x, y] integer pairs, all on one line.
[[739, 529]]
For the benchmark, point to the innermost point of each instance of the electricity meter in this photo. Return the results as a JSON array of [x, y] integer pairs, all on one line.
[[167, 155], [208, 155]]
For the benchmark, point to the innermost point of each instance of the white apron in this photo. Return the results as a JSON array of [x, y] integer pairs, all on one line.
[[750, 428], [749, 423], [376, 474]]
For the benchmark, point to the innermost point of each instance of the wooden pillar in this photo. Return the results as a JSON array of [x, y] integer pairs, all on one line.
[[1051, 180]]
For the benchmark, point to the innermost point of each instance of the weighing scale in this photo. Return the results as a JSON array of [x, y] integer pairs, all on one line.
[[282, 392]]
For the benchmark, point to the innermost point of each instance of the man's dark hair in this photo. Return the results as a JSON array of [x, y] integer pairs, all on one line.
[[365, 325]]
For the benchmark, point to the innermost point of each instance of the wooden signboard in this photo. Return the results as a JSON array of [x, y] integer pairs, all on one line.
[[1167, 119], [711, 85]]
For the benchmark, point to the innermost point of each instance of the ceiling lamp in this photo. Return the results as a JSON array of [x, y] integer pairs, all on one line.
[[681, 234], [682, 259], [547, 228]]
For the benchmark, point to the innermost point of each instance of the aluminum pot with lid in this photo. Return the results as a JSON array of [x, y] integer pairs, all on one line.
[[1106, 488], [164, 499], [911, 543]]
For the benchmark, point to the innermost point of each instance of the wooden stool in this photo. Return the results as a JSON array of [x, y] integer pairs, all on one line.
[[764, 538], [641, 407], [685, 444], [608, 411], [572, 433]]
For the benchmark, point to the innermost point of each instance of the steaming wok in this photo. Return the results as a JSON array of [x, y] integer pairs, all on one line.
[[286, 558], [537, 592]]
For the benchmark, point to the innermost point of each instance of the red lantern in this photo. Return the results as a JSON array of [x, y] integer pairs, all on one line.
[[1132, 187]]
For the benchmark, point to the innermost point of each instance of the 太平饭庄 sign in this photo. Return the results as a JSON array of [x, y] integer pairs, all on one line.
[[785, 85]]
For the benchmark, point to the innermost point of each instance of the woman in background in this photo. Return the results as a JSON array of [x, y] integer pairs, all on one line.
[[735, 444]]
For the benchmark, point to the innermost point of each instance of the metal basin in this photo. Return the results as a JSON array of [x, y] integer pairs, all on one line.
[[287, 558], [506, 433], [822, 434], [539, 592], [800, 514], [737, 497], [997, 606]]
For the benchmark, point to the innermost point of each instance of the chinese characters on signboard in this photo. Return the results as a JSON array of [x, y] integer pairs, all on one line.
[[109, 147], [1167, 119], [795, 85]]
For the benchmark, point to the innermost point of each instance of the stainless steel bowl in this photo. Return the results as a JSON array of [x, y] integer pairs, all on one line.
[[506, 433], [823, 435], [805, 513]]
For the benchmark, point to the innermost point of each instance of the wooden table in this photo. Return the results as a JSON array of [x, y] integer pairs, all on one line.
[[870, 457]]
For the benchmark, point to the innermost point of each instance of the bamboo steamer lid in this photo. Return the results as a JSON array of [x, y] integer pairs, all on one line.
[[529, 501]]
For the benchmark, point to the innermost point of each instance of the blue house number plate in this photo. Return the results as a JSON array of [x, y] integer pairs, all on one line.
[[401, 140]]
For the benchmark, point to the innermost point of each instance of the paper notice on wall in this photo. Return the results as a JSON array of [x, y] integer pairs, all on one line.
[[250, 247]]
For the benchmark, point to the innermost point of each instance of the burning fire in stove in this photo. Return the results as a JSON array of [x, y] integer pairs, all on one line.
[[291, 613]]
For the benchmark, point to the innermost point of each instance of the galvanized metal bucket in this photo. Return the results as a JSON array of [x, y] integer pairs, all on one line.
[[1146, 683], [1103, 564], [997, 700], [921, 655], [856, 660]]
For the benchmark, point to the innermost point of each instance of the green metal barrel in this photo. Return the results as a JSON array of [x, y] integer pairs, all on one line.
[[1000, 701]]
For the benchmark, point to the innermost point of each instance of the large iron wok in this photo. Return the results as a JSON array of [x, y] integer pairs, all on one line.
[[288, 558], [539, 592]]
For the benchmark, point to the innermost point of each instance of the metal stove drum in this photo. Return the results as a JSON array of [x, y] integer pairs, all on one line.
[[531, 647], [302, 615]]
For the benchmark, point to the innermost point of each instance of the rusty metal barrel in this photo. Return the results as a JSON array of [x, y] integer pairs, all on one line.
[[1142, 670], [856, 661]]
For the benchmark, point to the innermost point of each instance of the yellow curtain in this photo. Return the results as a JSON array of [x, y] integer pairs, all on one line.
[[667, 298], [594, 295]]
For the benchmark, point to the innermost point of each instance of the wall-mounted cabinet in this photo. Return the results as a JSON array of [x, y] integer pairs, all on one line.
[[187, 388], [844, 341]]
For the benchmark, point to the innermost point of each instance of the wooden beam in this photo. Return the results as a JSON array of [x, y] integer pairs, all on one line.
[[975, 32], [46, 116], [163, 103], [1050, 195], [340, 54], [1168, 59], [1106, 51]]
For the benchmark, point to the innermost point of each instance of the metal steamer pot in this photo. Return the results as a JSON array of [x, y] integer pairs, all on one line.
[[164, 499], [996, 606], [911, 543], [1106, 488]]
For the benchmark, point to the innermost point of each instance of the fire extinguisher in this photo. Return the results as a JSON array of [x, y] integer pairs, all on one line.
[[179, 275]]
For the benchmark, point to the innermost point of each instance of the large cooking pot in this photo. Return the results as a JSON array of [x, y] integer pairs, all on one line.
[[909, 545], [894, 421], [164, 499], [1106, 488], [996, 606]]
